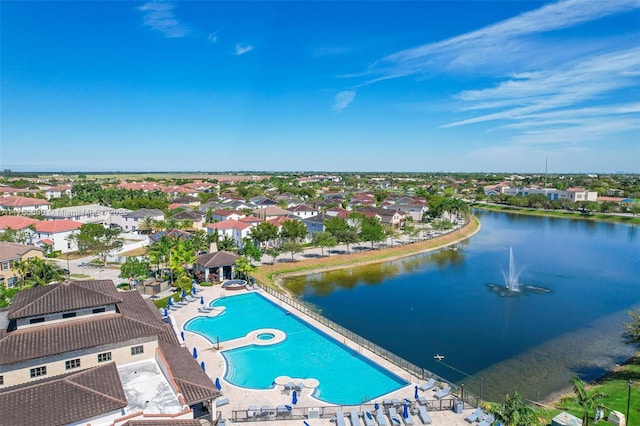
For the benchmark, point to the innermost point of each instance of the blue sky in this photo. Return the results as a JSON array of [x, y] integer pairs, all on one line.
[[335, 86]]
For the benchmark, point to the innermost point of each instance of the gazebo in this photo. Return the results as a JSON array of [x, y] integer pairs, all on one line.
[[217, 266]]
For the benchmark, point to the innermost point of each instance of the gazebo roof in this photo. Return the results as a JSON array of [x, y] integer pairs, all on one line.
[[217, 259]]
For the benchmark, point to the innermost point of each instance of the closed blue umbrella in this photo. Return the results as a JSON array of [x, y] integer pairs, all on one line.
[[405, 411], [166, 312], [294, 398], [202, 300], [202, 366], [170, 301], [182, 335], [193, 290], [415, 395], [195, 353], [376, 406], [184, 293], [218, 383]]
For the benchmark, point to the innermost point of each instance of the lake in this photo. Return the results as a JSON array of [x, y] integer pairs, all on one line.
[[441, 303]]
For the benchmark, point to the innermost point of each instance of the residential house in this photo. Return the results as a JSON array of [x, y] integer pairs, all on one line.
[[82, 352], [131, 220], [58, 191], [222, 215], [10, 253], [271, 212], [415, 211], [251, 220], [315, 223], [262, 202], [21, 204], [216, 266], [53, 235], [17, 223], [303, 211], [392, 218], [234, 229], [195, 217]]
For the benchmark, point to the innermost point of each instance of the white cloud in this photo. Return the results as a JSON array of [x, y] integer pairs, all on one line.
[[159, 17], [343, 99], [213, 37], [241, 50]]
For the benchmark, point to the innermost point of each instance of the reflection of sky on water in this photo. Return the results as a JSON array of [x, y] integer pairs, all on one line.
[[439, 302]]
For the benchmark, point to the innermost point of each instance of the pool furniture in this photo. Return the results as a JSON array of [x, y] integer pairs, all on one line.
[[443, 392], [424, 416], [340, 419], [222, 422], [476, 416], [408, 421], [488, 421], [222, 401], [367, 418], [396, 402], [251, 411], [298, 387], [204, 311], [190, 299], [283, 410], [265, 411], [428, 385], [393, 416], [380, 417], [422, 400], [354, 416]]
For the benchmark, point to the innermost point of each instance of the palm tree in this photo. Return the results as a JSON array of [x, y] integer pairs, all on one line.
[[147, 225], [513, 412], [588, 401]]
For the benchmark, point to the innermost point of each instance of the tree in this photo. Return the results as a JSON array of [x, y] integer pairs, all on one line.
[[372, 230], [135, 268], [322, 240], [380, 195], [291, 246], [250, 250], [96, 239], [513, 412], [36, 272], [293, 229], [244, 267], [631, 333], [588, 401], [146, 225], [264, 232], [341, 231], [226, 243], [273, 252]]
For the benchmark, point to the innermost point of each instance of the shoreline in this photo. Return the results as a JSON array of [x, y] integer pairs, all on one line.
[[274, 274]]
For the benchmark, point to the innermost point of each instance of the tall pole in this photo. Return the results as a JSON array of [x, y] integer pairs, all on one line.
[[629, 383]]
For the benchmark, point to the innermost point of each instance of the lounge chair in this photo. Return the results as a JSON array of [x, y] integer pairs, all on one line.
[[354, 416], [422, 400], [282, 410], [426, 386], [443, 392], [368, 418], [298, 387], [488, 421], [340, 419], [380, 417], [408, 421], [387, 402], [393, 416], [182, 303], [190, 299], [222, 422], [222, 401], [476, 416], [251, 411], [397, 402], [424, 416], [265, 410], [204, 311]]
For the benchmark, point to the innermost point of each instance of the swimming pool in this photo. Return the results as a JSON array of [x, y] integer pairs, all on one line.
[[345, 377]]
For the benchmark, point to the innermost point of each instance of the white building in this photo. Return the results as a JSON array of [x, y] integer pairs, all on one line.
[[55, 234], [234, 229], [89, 213]]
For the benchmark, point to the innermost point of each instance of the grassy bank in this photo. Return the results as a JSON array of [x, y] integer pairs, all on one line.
[[601, 217], [270, 273]]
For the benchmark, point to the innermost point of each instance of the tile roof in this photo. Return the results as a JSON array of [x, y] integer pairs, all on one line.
[[250, 219], [142, 213], [218, 258], [188, 215], [55, 226], [9, 251], [63, 399], [18, 201], [16, 222], [229, 224], [186, 373], [63, 297]]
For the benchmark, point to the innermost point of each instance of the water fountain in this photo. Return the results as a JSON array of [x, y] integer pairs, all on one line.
[[512, 286]]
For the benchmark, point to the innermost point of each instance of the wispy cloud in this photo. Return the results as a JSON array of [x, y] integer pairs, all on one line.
[[213, 37], [159, 17], [241, 50], [343, 99]]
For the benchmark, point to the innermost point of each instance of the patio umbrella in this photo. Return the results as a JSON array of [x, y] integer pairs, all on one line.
[[202, 300], [202, 366], [294, 398], [195, 352], [376, 406], [415, 395], [182, 335], [193, 290], [184, 293], [166, 312], [405, 411], [218, 383], [170, 301]]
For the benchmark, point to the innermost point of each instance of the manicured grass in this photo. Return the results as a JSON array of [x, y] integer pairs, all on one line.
[[269, 273], [140, 251], [615, 386]]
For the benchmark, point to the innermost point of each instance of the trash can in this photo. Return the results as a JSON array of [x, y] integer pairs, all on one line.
[[458, 407]]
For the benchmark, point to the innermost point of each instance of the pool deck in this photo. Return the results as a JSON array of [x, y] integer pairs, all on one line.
[[242, 398]]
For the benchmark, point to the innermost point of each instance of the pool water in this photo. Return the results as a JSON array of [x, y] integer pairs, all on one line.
[[266, 336], [346, 377]]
